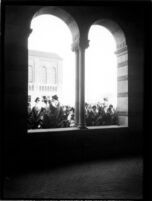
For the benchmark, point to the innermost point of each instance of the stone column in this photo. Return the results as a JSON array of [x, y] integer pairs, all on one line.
[[83, 45], [75, 48]]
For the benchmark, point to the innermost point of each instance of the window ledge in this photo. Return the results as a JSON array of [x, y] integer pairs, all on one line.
[[58, 130]]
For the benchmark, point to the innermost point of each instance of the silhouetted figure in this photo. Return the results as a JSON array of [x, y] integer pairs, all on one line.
[[53, 116], [71, 118], [37, 114]]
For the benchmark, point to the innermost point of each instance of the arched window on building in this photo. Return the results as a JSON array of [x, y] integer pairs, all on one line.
[[54, 75], [30, 73], [44, 75]]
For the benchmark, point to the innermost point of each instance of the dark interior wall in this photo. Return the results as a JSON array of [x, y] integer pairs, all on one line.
[[22, 146], [38, 151]]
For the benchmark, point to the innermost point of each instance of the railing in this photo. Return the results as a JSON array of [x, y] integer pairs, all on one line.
[[42, 87], [47, 88], [31, 87]]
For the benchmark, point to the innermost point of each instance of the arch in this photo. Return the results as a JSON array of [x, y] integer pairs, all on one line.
[[62, 14], [43, 75], [54, 74], [122, 67], [115, 29]]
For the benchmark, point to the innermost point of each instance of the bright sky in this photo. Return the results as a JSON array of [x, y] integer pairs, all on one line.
[[50, 34], [101, 71]]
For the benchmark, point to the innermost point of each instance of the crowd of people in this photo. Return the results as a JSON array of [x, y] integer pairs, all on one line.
[[101, 114], [49, 113]]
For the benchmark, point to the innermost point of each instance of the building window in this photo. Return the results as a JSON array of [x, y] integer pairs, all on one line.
[[29, 99], [54, 75], [30, 73], [44, 75]]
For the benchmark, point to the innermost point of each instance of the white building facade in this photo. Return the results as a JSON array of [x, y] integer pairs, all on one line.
[[45, 75]]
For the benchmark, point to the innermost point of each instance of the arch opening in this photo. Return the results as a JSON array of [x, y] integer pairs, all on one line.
[[53, 64], [65, 16], [111, 86]]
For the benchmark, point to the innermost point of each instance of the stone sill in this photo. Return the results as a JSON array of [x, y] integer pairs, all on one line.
[[60, 130]]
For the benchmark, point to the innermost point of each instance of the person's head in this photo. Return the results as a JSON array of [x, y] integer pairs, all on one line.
[[94, 107], [37, 100], [111, 106], [55, 97], [55, 101], [48, 98], [89, 108], [105, 103], [44, 99], [64, 108], [86, 105], [105, 99], [72, 110]]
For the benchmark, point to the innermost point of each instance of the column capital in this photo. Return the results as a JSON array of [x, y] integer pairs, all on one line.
[[75, 46], [84, 44], [80, 44]]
